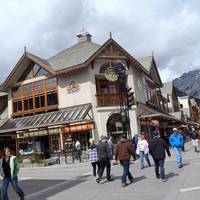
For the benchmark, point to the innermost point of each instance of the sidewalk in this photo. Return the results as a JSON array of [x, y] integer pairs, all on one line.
[[145, 186]]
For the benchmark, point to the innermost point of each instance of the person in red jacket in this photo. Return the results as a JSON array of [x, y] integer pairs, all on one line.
[[124, 150]]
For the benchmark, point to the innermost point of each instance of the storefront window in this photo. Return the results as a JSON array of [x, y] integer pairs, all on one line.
[[55, 143]]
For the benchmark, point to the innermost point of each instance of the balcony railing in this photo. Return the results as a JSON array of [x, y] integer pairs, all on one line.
[[108, 99]]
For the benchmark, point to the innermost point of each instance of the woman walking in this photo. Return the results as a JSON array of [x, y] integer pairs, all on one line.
[[143, 150], [93, 157], [9, 169]]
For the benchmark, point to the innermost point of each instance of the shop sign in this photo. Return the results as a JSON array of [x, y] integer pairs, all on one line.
[[73, 87], [78, 128]]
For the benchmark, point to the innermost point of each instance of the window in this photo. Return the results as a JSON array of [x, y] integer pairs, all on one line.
[[38, 87], [16, 91], [28, 104], [17, 106], [35, 96], [51, 83], [52, 98], [106, 87], [32, 71], [39, 101], [27, 89], [38, 71], [151, 93]]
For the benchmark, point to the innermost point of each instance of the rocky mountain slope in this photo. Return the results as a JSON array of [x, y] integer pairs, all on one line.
[[188, 84]]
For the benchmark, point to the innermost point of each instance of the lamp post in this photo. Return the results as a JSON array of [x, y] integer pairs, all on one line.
[[118, 73]]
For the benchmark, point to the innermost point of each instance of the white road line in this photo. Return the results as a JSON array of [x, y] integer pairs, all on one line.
[[46, 189], [24, 178], [190, 189]]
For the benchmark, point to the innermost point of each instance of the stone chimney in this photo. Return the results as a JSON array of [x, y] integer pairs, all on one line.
[[84, 36]]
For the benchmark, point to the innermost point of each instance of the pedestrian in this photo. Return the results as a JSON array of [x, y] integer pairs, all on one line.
[[78, 150], [143, 150], [195, 139], [110, 143], [9, 169], [135, 141], [157, 148], [184, 138], [124, 150], [103, 151], [93, 157], [176, 141]]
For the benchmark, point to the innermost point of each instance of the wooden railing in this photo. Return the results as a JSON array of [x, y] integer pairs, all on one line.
[[108, 99]]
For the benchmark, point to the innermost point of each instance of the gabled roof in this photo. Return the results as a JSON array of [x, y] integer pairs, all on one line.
[[75, 55], [78, 56], [146, 62], [94, 55], [167, 88], [150, 65], [21, 66]]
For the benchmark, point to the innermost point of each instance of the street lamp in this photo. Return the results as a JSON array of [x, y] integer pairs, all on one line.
[[118, 72]]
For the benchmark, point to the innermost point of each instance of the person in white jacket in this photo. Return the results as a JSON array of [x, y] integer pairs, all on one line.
[[143, 150]]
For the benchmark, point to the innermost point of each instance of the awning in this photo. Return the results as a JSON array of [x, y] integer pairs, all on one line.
[[159, 115], [146, 111], [62, 116]]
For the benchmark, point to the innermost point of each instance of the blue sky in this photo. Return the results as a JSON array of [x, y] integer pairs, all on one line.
[[166, 27]]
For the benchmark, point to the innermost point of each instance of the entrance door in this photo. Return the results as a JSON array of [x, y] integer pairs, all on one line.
[[114, 126], [42, 146]]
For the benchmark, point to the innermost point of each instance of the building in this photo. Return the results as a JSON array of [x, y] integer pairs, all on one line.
[[68, 97]]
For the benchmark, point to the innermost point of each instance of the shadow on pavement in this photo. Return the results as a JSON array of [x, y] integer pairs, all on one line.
[[170, 175], [42, 189], [136, 179]]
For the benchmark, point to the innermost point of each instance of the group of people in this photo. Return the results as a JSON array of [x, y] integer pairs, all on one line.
[[101, 154]]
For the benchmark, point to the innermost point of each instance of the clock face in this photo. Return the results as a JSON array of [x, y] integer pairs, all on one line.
[[110, 74]]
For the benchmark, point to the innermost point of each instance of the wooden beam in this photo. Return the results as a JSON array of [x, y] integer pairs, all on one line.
[[112, 57]]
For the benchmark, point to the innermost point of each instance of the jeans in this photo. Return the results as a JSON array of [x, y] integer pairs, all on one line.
[[178, 152], [14, 182], [195, 145], [142, 156], [159, 163], [125, 164], [95, 166], [103, 164]]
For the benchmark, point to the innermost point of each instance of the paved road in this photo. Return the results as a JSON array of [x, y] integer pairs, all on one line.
[[75, 182]]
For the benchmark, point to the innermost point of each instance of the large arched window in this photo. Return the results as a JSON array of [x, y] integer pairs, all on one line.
[[114, 124]]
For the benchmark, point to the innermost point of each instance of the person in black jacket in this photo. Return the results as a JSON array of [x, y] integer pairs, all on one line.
[[157, 148], [104, 155]]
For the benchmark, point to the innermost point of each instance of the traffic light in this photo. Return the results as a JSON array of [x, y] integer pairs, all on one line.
[[130, 98]]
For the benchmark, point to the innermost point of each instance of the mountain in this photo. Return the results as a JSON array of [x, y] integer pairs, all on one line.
[[188, 84]]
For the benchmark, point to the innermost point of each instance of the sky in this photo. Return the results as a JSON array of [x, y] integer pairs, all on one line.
[[168, 28]]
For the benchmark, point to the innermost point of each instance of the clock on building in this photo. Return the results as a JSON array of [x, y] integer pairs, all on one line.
[[111, 74]]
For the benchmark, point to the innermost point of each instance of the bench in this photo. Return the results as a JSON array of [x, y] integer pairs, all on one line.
[[51, 161]]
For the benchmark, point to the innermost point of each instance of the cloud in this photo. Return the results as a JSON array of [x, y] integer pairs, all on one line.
[[169, 28]]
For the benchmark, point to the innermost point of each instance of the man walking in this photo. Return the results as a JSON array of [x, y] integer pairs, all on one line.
[[104, 156], [9, 169], [124, 150], [195, 138], [176, 141], [157, 148]]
